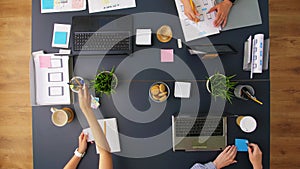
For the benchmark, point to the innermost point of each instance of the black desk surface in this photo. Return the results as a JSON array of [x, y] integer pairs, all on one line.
[[53, 146]]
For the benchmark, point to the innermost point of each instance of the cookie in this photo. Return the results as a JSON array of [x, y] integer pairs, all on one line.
[[154, 90], [163, 98], [155, 97], [162, 94], [162, 88]]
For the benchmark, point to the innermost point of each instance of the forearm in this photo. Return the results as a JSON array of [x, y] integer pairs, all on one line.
[[259, 166], [73, 163], [96, 130], [105, 160]]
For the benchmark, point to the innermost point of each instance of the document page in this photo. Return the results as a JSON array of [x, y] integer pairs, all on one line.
[[109, 5], [48, 6], [203, 28], [51, 78]]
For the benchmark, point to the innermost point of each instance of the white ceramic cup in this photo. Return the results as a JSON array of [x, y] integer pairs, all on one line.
[[247, 123], [61, 117]]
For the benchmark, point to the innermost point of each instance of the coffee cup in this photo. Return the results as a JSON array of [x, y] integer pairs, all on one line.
[[247, 123], [61, 117]]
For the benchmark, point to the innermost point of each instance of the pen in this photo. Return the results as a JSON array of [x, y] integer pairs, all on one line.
[[63, 54], [251, 97], [76, 80], [193, 9], [192, 5]]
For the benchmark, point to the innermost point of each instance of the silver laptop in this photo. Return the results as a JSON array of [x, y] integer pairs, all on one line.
[[199, 133]]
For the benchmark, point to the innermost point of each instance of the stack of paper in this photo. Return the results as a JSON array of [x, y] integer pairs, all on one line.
[[51, 79], [203, 28]]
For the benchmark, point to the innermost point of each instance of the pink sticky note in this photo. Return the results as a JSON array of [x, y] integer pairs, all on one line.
[[166, 55], [77, 4], [45, 61]]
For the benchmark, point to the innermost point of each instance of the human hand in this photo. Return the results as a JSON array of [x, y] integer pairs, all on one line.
[[226, 157], [222, 9], [84, 98], [189, 11], [82, 143], [255, 156]]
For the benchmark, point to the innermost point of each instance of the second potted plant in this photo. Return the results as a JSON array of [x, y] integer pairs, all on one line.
[[105, 82], [220, 85]]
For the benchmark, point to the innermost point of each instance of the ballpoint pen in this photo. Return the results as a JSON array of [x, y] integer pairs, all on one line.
[[193, 8]]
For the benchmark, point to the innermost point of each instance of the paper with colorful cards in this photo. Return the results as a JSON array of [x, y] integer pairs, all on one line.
[[203, 28], [48, 6], [109, 5], [110, 129], [51, 79]]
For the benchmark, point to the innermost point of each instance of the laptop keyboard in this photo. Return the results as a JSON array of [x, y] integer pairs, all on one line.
[[102, 41], [191, 127]]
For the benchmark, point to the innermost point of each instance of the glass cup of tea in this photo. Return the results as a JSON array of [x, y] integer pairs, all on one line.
[[164, 33]]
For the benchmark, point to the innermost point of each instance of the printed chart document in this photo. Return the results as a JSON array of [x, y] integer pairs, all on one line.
[[51, 79], [203, 28], [110, 129], [48, 6], [109, 5]]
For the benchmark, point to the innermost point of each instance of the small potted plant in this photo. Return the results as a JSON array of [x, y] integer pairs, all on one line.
[[220, 85], [105, 82]]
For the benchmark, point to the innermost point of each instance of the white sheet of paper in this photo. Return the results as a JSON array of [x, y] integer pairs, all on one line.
[[182, 89], [112, 134], [204, 27], [49, 6], [109, 5], [42, 81]]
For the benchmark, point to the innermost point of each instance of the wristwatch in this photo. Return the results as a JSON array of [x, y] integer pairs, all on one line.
[[78, 154]]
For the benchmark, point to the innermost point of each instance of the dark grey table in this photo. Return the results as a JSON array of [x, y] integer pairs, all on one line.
[[53, 146]]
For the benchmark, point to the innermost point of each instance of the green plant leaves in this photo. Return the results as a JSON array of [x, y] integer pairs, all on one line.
[[221, 86], [104, 82]]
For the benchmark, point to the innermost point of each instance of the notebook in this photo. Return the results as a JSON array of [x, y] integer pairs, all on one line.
[[110, 129], [199, 133]]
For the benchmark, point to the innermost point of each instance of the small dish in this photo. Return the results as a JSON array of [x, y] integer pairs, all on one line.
[[159, 92]]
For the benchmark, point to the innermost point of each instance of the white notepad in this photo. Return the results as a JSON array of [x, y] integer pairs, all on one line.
[[143, 37], [112, 134], [182, 89]]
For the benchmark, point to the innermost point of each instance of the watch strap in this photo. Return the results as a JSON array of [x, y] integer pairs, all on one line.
[[78, 154]]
